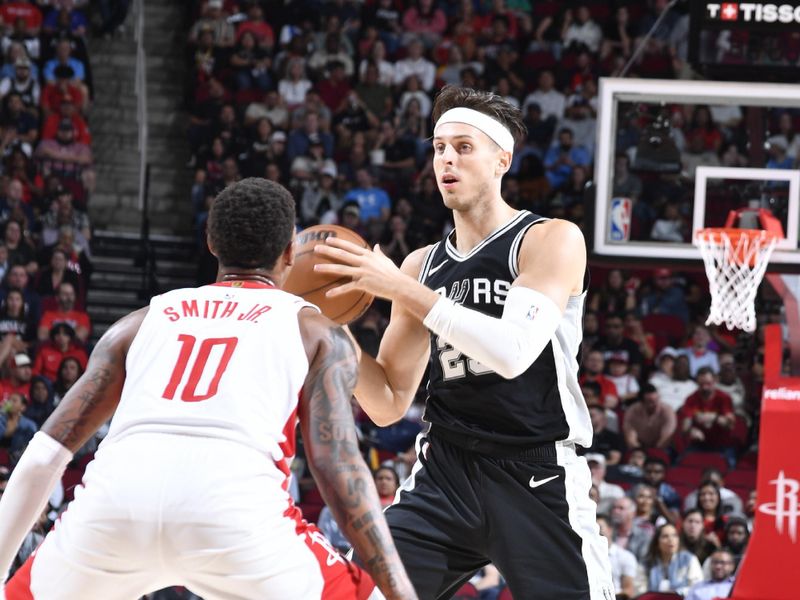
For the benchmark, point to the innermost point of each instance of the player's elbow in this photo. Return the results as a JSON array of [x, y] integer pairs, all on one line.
[[513, 368]]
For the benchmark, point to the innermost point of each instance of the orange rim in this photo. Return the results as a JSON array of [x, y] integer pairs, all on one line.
[[715, 236]]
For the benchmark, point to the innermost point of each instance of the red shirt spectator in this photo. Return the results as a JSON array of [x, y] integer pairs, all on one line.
[[258, 26], [51, 124], [27, 11], [65, 313], [20, 377], [707, 414], [60, 346], [65, 89], [593, 371]]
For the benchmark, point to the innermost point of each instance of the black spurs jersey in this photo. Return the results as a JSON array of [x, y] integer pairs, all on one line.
[[545, 403]]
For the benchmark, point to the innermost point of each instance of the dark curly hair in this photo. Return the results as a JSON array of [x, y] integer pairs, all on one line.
[[251, 223], [495, 106]]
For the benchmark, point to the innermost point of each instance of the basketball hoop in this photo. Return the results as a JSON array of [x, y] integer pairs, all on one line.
[[735, 261]]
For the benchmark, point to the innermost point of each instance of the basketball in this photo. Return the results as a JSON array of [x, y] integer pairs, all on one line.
[[304, 281]]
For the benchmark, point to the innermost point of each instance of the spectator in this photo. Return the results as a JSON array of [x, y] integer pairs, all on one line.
[[375, 94], [582, 33], [592, 371], [328, 525], [667, 567], [306, 169], [215, 20], [626, 184], [256, 25], [620, 374], [719, 584], [670, 226], [320, 201], [694, 537], [618, 35], [398, 161], [14, 207], [250, 63], [67, 110], [20, 126], [731, 502], [667, 499], [16, 430], [63, 56], [17, 278], [604, 441], [65, 157], [644, 496], [14, 10], [272, 108], [649, 423], [737, 536], [350, 217], [609, 492], [300, 139], [415, 64], [64, 86], [397, 247], [623, 562], [551, 101], [730, 383], [19, 379], [665, 297], [334, 89], [330, 53], [18, 33], [674, 388], [22, 83], [709, 502], [63, 212], [61, 345], [424, 21], [707, 416], [562, 156], [377, 56], [69, 371], [786, 136], [614, 343], [20, 251], [41, 403], [629, 533], [65, 20], [65, 313], [387, 483], [615, 295], [696, 154], [16, 320], [373, 201]]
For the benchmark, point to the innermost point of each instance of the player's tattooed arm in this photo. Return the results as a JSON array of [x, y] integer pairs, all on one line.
[[94, 397], [331, 443]]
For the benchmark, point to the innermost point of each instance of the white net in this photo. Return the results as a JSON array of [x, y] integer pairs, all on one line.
[[735, 262]]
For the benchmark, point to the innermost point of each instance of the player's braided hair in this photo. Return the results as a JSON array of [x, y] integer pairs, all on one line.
[[250, 223], [488, 103]]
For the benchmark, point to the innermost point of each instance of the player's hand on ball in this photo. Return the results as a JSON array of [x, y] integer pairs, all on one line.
[[369, 270]]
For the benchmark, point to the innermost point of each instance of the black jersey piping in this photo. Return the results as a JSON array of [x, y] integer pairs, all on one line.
[[453, 253]]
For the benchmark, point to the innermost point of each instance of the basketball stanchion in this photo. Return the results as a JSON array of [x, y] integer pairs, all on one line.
[[736, 260]]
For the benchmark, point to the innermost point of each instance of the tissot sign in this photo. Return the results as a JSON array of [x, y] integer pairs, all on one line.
[[752, 12]]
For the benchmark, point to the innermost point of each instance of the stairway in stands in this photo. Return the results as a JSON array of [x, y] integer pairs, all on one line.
[[119, 283]]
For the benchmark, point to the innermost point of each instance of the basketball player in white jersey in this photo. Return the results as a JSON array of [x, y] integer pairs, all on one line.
[[497, 306], [189, 488]]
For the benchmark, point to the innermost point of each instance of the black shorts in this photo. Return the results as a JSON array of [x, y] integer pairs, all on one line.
[[527, 513]]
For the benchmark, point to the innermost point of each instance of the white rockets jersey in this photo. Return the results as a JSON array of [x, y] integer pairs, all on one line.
[[222, 361]]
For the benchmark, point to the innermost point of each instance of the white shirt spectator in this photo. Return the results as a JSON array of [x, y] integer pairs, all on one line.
[[589, 34], [673, 392], [608, 493], [385, 72], [623, 563], [421, 67], [708, 359], [294, 92], [425, 104], [552, 103]]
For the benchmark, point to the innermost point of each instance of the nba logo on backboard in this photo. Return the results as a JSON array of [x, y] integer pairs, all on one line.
[[620, 220]]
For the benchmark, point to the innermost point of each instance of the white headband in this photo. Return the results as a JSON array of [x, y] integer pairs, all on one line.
[[498, 132]]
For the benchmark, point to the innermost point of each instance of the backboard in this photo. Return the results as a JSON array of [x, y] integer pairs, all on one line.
[[741, 167]]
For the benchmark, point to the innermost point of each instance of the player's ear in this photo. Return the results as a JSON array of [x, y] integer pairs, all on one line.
[[288, 253], [503, 163], [210, 246]]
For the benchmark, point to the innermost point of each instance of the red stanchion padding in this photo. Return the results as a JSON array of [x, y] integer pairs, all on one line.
[[770, 569]]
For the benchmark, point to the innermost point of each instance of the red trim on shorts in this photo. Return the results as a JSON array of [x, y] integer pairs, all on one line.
[[19, 586]]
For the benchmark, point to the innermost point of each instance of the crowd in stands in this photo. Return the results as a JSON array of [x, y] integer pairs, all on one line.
[[46, 179], [334, 102]]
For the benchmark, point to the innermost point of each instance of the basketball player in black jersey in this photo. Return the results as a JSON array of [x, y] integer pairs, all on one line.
[[496, 306]]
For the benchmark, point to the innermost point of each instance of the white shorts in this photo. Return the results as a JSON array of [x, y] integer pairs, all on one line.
[[210, 515]]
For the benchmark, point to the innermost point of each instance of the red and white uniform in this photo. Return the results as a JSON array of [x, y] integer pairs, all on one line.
[[190, 485]]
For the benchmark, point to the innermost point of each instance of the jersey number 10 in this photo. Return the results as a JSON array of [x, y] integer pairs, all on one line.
[[189, 392]]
